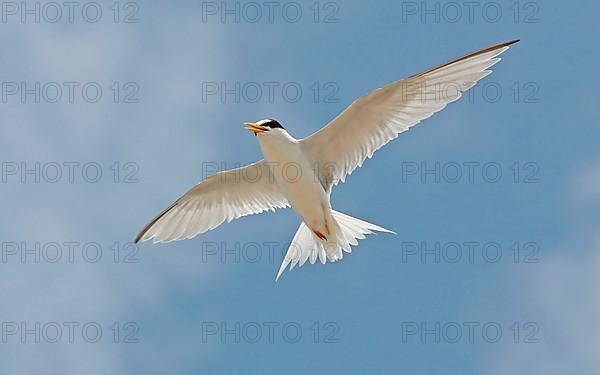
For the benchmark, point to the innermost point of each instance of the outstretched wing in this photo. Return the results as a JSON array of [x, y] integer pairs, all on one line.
[[222, 197], [378, 117]]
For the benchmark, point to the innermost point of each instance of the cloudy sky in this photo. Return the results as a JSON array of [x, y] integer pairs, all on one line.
[[110, 111]]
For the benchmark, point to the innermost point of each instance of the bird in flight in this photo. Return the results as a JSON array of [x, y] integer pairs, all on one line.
[[300, 173]]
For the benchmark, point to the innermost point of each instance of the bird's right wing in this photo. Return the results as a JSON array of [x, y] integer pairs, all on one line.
[[221, 197], [378, 117]]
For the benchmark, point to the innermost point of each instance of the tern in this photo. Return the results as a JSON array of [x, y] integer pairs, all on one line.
[[300, 173]]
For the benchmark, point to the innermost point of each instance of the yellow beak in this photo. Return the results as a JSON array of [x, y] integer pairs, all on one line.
[[254, 127]]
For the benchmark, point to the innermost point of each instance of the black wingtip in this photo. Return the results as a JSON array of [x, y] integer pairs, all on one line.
[[488, 49], [502, 45]]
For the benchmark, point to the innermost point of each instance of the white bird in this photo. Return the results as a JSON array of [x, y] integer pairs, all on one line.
[[301, 172]]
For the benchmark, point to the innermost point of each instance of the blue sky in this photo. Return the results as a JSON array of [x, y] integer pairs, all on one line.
[[534, 120]]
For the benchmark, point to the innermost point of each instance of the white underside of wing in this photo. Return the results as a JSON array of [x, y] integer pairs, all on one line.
[[377, 118], [220, 198]]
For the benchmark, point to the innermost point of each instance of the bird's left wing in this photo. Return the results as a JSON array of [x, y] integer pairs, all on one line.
[[221, 197], [378, 117]]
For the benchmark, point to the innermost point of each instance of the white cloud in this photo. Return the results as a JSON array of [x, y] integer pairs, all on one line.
[[102, 132], [561, 293]]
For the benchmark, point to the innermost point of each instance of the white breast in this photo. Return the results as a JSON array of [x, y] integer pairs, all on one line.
[[296, 177]]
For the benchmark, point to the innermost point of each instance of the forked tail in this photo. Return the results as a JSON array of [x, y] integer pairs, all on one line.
[[307, 246]]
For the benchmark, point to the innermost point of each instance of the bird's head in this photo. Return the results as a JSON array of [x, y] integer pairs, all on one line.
[[265, 127]]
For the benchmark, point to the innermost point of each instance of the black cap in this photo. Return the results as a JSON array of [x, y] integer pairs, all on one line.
[[273, 124]]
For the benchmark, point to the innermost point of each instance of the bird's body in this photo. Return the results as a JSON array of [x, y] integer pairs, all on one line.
[[300, 173], [294, 175]]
